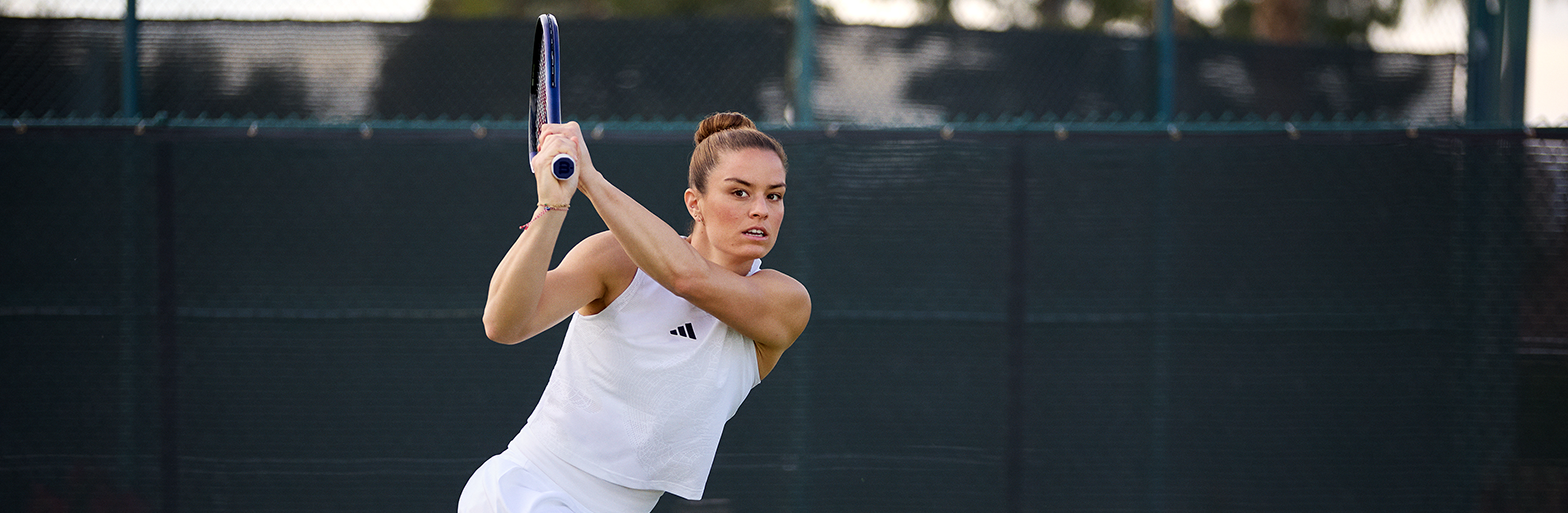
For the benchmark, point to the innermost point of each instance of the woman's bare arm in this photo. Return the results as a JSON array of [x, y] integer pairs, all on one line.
[[525, 296]]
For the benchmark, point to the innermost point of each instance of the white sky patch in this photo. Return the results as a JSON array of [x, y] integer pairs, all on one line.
[[979, 15], [995, 15], [1425, 27], [1206, 12], [887, 13], [1546, 68], [302, 10], [1078, 13]]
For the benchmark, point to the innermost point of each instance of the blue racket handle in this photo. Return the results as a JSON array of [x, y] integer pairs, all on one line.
[[563, 166]]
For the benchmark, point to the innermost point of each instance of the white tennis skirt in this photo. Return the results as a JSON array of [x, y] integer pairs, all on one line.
[[514, 482], [509, 483]]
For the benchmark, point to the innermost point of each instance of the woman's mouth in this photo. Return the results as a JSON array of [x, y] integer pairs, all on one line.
[[756, 233]]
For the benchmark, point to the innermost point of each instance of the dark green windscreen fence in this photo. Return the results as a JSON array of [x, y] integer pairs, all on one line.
[[1348, 321]]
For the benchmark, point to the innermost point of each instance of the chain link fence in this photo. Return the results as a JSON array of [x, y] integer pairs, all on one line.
[[353, 72]]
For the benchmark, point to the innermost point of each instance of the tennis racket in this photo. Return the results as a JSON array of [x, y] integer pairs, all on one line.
[[545, 96]]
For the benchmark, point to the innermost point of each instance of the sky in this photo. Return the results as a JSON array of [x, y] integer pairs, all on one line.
[[1431, 26]]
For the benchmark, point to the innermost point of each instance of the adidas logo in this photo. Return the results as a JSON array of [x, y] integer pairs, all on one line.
[[685, 331]]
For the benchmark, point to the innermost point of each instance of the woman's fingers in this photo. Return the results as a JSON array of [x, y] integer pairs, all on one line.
[[569, 129], [549, 147], [556, 144], [570, 136]]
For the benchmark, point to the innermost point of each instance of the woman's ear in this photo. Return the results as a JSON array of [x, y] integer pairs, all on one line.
[[691, 205]]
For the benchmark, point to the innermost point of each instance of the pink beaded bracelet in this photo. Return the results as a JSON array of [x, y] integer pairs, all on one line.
[[547, 208]]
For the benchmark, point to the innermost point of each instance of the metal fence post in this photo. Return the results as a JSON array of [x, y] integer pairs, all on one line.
[[805, 60], [1516, 37], [130, 65], [1499, 33], [166, 314], [1017, 320], [1163, 226], [1165, 39], [1481, 77]]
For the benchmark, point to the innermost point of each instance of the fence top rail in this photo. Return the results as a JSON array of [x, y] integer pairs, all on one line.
[[509, 129]]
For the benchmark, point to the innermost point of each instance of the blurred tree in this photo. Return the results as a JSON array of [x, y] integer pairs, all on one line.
[[450, 9], [1341, 22], [1344, 22], [1289, 22]]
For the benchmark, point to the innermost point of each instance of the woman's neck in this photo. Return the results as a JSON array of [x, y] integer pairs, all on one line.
[[704, 246]]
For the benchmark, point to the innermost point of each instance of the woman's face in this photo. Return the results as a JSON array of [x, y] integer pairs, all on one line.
[[743, 207]]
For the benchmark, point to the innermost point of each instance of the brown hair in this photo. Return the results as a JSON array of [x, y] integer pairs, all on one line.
[[722, 133]]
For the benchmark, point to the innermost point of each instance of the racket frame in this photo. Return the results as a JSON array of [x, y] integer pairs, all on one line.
[[544, 93]]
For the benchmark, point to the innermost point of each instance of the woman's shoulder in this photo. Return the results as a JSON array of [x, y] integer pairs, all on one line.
[[606, 253], [602, 243], [788, 284]]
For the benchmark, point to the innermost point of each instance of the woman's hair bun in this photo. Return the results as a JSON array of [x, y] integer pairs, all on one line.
[[721, 134], [721, 121]]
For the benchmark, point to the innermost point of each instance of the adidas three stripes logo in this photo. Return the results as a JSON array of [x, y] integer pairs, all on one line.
[[685, 331]]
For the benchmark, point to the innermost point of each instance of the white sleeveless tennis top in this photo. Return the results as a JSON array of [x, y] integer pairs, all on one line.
[[641, 391]]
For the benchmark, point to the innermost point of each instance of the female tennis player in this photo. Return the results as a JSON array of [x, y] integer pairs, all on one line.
[[668, 333]]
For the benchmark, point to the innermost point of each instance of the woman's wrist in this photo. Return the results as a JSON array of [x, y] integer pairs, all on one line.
[[544, 208], [591, 185]]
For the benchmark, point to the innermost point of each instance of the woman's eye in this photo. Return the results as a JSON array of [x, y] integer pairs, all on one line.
[[775, 197], [739, 193]]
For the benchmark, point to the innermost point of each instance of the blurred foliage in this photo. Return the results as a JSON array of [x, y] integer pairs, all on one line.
[[1288, 22], [469, 9], [1343, 22], [1330, 22]]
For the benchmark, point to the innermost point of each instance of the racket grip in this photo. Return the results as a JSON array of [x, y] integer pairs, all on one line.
[[563, 166]]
